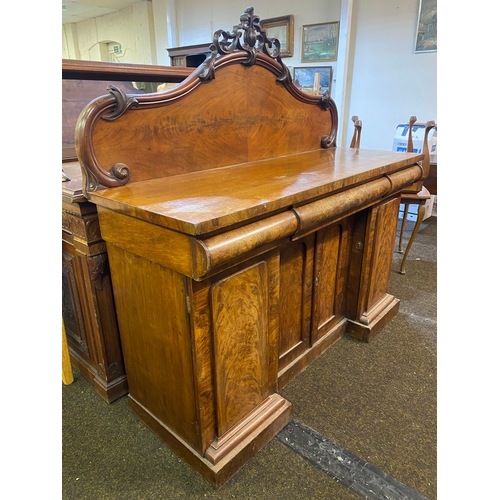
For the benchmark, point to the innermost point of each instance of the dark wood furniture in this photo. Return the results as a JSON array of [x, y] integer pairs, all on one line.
[[242, 243], [189, 56], [87, 298]]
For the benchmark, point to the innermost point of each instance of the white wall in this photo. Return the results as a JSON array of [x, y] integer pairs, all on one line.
[[196, 21], [132, 28], [165, 32], [390, 82], [385, 81]]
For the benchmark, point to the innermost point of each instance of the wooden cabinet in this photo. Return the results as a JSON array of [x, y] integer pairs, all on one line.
[[88, 306], [242, 243], [189, 56]]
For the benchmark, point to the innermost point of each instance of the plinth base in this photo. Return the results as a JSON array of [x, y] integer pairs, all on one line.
[[219, 473]]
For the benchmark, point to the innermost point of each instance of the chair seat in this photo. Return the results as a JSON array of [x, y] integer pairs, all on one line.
[[419, 199], [410, 197], [422, 195]]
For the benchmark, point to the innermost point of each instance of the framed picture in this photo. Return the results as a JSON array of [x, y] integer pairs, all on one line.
[[426, 37], [313, 79], [282, 29], [320, 42]]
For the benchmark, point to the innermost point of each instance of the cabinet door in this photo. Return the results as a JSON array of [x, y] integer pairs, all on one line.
[[73, 291], [369, 305], [296, 268], [380, 236], [330, 268], [240, 319], [235, 334]]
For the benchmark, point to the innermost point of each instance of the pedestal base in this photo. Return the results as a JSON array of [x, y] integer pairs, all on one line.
[[366, 331], [234, 458]]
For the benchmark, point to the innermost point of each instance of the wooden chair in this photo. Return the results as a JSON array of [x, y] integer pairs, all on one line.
[[407, 199], [356, 136], [67, 372]]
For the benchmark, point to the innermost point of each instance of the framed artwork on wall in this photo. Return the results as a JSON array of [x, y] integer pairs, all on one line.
[[282, 29], [313, 79], [320, 42], [426, 37]]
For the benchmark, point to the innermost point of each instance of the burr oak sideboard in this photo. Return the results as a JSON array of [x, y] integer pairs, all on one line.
[[242, 242], [88, 307]]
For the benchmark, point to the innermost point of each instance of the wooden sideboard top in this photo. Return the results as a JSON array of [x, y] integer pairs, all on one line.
[[206, 201]]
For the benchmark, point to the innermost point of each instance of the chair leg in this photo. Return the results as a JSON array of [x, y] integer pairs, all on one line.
[[67, 371], [403, 225], [420, 218]]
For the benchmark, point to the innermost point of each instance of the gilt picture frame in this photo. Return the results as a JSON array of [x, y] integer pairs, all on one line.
[[282, 29], [320, 42]]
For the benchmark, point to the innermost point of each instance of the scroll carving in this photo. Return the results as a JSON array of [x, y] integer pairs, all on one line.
[[123, 102], [108, 108], [254, 41], [328, 104]]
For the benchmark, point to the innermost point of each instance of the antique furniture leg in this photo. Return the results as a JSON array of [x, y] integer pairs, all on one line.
[[403, 225], [67, 371], [420, 218], [412, 198]]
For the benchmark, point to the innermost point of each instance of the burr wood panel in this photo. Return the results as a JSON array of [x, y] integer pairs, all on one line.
[[240, 306], [327, 302]]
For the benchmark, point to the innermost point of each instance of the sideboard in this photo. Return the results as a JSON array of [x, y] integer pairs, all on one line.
[[242, 242]]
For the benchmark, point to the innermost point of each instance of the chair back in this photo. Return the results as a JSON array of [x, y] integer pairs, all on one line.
[[356, 136]]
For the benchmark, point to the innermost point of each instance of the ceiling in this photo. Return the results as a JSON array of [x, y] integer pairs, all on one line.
[[74, 11]]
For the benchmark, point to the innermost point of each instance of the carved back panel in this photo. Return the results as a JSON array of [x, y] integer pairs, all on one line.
[[240, 105]]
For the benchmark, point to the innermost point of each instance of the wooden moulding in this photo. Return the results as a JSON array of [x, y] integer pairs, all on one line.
[[265, 423], [317, 213], [375, 320], [225, 444]]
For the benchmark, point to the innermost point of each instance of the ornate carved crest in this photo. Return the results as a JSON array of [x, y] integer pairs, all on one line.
[[249, 36]]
